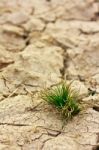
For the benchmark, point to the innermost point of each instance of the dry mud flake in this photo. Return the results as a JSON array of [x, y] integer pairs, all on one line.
[[6, 58], [88, 66], [34, 24], [14, 44], [35, 68], [8, 28], [17, 18]]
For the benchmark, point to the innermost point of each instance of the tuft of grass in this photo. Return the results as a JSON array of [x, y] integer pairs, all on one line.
[[63, 98]]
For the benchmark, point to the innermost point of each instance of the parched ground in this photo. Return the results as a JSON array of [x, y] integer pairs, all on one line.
[[42, 42]]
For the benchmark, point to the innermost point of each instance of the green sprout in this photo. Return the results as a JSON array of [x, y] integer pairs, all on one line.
[[63, 98]]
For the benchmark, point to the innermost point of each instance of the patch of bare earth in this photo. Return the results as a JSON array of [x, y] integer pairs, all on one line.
[[42, 42]]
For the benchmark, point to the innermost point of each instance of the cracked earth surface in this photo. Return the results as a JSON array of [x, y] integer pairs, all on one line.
[[42, 42]]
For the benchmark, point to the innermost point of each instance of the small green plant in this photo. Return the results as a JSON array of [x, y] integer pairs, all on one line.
[[63, 98]]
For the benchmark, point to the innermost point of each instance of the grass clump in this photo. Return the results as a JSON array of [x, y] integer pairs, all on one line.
[[63, 98]]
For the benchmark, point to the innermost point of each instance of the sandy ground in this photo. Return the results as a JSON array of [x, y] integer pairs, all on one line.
[[41, 43]]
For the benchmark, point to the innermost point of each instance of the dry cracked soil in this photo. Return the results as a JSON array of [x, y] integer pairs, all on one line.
[[42, 42]]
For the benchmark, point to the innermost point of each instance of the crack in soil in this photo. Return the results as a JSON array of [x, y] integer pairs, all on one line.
[[96, 147], [5, 64], [51, 132], [97, 137], [33, 108], [64, 54], [96, 108], [14, 124], [65, 64], [44, 143]]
